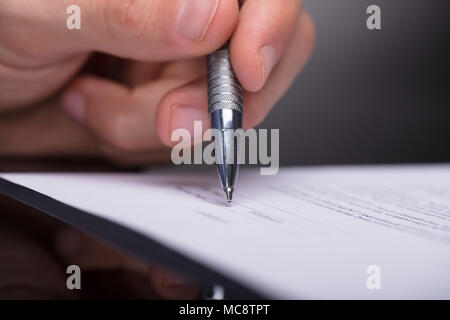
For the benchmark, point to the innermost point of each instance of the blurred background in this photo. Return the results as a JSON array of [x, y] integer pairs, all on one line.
[[378, 96]]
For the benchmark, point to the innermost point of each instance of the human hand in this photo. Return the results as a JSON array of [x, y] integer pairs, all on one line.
[[165, 90], [163, 86]]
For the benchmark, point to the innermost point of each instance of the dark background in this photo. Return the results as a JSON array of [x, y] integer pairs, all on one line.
[[371, 96]]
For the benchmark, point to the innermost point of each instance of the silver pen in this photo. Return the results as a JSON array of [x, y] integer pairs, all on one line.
[[225, 100]]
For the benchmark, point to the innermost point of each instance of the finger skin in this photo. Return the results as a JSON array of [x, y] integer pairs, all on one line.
[[256, 105], [44, 131], [21, 87], [146, 30], [190, 96], [125, 119], [129, 159], [151, 29], [261, 38], [297, 55], [120, 117], [132, 122]]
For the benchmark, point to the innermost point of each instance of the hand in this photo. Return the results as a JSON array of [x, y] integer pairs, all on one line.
[[163, 85], [166, 90]]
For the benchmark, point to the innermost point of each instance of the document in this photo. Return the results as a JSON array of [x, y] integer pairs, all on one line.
[[364, 232]]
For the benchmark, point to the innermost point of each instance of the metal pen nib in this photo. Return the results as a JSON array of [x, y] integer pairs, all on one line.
[[225, 100], [229, 193]]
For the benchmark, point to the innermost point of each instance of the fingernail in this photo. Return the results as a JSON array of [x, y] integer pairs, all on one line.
[[74, 104], [195, 18], [269, 59], [184, 117]]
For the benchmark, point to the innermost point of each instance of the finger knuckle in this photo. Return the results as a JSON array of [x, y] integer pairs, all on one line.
[[127, 17]]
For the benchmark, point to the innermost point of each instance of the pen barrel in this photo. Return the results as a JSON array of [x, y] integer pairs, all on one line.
[[224, 89]]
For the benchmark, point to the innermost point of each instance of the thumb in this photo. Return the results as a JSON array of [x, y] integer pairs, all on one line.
[[152, 30]]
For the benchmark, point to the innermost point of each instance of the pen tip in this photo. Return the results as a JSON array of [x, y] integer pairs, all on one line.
[[229, 193]]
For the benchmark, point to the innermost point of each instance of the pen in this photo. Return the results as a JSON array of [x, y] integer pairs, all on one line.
[[225, 101]]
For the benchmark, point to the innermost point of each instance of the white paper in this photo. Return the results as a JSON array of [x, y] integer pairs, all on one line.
[[304, 233]]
